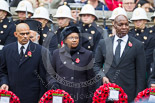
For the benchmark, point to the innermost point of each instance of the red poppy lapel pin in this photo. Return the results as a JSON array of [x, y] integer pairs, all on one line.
[[62, 44], [130, 44], [29, 53], [77, 60]]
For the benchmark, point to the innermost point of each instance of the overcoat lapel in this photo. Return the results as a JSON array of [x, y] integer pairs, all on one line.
[[16, 55]]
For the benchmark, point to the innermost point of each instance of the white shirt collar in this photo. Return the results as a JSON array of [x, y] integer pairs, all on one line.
[[25, 47], [124, 38]]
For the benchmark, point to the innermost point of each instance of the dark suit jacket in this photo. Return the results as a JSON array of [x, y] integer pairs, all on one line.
[[152, 76], [25, 78], [130, 71]]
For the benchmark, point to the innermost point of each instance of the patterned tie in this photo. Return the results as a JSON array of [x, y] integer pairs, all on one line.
[[117, 51], [21, 52]]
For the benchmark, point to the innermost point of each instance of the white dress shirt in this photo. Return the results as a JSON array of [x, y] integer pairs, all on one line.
[[25, 47], [123, 43]]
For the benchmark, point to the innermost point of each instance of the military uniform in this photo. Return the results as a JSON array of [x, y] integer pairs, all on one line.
[[55, 39], [146, 37], [19, 21], [45, 31], [59, 35], [7, 29], [152, 30], [91, 35]]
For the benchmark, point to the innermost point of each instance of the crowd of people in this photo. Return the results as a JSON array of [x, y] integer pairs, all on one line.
[[36, 55]]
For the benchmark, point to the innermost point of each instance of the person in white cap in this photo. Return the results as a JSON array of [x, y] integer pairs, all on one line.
[[42, 15], [116, 12], [24, 10], [90, 31], [142, 33], [64, 17], [7, 27], [129, 5]]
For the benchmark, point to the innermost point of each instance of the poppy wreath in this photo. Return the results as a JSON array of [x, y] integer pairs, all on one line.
[[47, 97], [13, 97], [144, 95], [102, 93]]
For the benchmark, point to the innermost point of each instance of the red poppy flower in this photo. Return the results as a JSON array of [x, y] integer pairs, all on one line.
[[13, 97], [47, 97], [62, 43], [77, 60], [130, 44], [144, 95], [29, 53], [102, 93]]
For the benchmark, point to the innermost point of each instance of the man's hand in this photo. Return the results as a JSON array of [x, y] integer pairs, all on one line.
[[152, 85], [5, 87], [105, 80]]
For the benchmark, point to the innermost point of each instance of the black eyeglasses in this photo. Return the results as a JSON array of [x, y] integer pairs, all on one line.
[[22, 34], [72, 38]]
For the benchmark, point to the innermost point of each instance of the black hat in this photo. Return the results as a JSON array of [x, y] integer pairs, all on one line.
[[142, 2], [34, 25], [68, 30]]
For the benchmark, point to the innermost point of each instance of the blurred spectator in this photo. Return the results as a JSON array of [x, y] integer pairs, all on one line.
[[35, 3], [128, 5], [145, 5], [55, 4], [75, 13], [112, 4], [75, 10], [50, 4], [98, 5], [76, 1], [13, 3], [152, 6]]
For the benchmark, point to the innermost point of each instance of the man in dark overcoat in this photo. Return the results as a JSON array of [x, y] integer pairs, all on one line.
[[22, 70], [123, 58]]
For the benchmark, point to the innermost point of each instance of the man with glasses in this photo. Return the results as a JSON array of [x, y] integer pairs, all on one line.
[[128, 5], [21, 66]]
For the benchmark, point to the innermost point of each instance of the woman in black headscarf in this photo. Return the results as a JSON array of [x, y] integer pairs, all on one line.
[[73, 68]]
